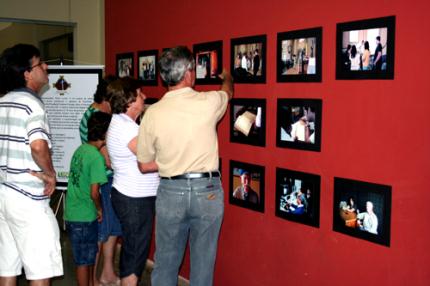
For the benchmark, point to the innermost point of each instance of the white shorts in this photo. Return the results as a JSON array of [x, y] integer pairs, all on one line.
[[29, 237]]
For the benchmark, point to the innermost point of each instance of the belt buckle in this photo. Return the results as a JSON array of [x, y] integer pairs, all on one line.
[[194, 175]]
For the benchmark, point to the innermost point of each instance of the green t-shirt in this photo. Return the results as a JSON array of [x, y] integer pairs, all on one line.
[[87, 167]]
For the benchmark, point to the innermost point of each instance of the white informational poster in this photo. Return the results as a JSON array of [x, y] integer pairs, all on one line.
[[71, 91]]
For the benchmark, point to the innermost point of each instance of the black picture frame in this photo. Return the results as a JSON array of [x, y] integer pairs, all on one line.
[[299, 124], [208, 57], [252, 121], [255, 174], [147, 67], [298, 196], [125, 65], [247, 46], [346, 217], [357, 34], [299, 55]]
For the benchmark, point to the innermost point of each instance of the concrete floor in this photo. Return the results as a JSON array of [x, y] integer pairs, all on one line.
[[69, 277]]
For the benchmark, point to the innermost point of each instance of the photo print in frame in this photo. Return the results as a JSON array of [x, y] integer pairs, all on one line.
[[148, 67], [248, 59], [298, 196], [362, 210], [365, 49], [299, 123], [125, 65], [247, 185], [208, 57], [248, 121], [299, 55]]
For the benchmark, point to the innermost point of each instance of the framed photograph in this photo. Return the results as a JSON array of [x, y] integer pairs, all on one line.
[[124, 64], [248, 59], [299, 56], [299, 124], [248, 121], [208, 58], [365, 49], [362, 210], [247, 186], [147, 67], [298, 196]]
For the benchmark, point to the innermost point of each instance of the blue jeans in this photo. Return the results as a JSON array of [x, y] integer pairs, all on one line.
[[189, 206], [136, 216]]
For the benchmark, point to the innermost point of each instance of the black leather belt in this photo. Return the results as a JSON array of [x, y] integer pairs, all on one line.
[[214, 174]]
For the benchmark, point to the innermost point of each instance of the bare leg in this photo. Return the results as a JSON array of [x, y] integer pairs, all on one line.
[[91, 275], [83, 275], [95, 279], [41, 282], [130, 280], [8, 281], [108, 275]]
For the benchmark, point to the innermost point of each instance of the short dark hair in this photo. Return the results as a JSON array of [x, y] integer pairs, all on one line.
[[378, 38], [98, 124], [122, 93], [174, 63], [101, 94], [14, 62]]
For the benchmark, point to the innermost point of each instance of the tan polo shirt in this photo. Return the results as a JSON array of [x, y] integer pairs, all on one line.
[[179, 131]]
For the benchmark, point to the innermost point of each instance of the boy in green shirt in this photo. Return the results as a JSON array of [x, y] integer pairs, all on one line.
[[83, 208]]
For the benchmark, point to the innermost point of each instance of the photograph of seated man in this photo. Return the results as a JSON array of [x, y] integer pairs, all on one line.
[[299, 124], [243, 190], [362, 209], [298, 56], [246, 183], [296, 197], [364, 221], [364, 50]]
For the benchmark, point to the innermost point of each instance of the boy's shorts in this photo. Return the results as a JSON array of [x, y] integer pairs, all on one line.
[[83, 236], [29, 237]]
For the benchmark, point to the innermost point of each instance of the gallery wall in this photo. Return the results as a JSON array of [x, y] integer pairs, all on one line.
[[372, 130]]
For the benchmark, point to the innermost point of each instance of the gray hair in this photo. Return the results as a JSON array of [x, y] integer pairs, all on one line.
[[174, 63]]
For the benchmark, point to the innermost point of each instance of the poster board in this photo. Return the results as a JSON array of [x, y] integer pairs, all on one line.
[[70, 92]]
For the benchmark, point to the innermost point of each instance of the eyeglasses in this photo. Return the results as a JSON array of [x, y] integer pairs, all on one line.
[[37, 65]]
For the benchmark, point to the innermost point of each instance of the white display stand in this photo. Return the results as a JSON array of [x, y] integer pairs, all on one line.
[[71, 90]]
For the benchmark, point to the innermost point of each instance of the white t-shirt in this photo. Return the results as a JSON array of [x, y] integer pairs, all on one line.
[[127, 178]]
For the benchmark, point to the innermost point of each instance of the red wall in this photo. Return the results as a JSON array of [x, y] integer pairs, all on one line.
[[374, 131]]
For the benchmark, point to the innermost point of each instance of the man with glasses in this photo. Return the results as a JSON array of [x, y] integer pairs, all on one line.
[[29, 234]]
